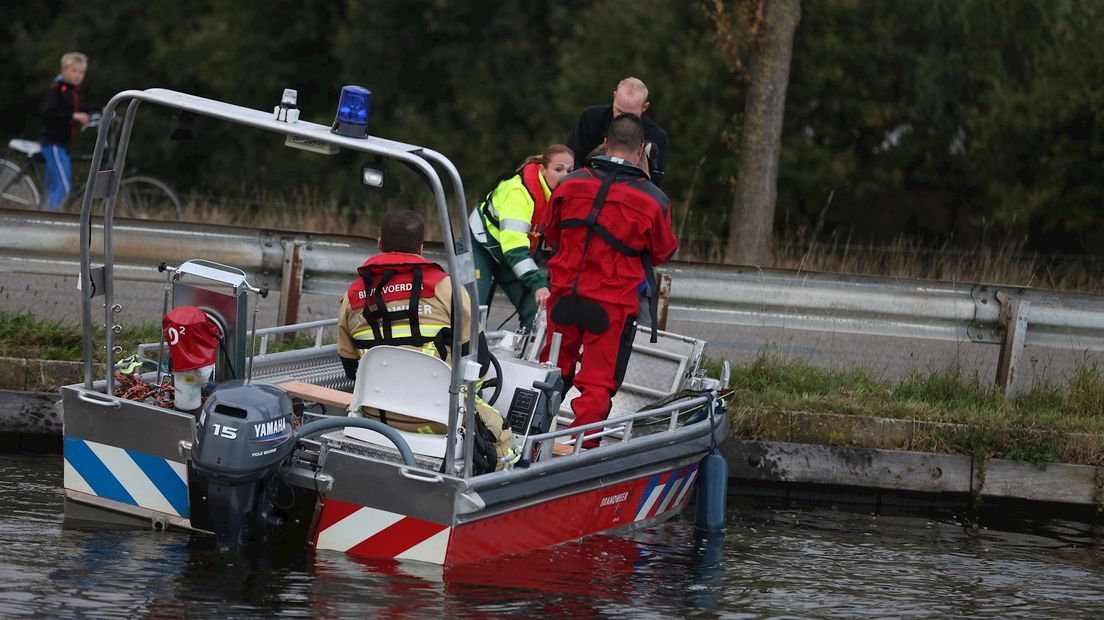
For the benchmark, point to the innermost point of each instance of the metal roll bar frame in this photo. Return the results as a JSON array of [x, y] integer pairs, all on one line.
[[104, 185]]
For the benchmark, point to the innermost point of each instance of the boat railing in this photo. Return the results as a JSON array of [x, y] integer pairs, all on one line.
[[265, 334], [319, 328], [621, 427]]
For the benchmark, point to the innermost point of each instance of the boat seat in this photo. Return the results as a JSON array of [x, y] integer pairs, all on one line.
[[408, 383], [29, 148]]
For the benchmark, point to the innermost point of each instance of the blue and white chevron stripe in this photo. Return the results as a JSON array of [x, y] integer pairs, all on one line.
[[126, 476], [666, 490]]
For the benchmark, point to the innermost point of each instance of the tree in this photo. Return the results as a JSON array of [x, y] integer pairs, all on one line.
[[691, 96], [752, 221]]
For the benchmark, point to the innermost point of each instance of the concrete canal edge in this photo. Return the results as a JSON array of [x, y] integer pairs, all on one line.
[[802, 449], [29, 419], [830, 450], [786, 463]]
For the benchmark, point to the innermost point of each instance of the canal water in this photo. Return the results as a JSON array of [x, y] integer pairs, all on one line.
[[773, 561]]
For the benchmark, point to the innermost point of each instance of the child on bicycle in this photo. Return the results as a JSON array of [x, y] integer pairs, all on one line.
[[61, 114]]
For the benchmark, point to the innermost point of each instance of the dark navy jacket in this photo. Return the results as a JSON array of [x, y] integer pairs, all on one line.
[[591, 130]]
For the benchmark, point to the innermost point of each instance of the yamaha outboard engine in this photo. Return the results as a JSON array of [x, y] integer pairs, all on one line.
[[244, 434]]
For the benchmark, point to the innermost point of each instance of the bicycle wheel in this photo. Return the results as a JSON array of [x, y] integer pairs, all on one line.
[[17, 190], [147, 198]]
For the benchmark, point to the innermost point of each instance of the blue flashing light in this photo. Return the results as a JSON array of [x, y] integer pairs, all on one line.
[[352, 112]]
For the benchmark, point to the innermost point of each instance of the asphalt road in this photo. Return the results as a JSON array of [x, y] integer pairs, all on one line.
[[56, 299]]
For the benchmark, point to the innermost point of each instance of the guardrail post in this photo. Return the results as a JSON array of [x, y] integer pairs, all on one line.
[[663, 298], [1013, 317], [291, 283]]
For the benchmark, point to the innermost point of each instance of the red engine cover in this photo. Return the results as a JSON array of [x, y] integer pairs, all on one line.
[[192, 336]]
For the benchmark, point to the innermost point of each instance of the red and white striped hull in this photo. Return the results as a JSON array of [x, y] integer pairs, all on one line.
[[365, 531]]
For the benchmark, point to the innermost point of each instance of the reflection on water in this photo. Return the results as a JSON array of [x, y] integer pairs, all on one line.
[[812, 562]]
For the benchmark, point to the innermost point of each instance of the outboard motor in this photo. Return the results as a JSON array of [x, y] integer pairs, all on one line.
[[244, 434]]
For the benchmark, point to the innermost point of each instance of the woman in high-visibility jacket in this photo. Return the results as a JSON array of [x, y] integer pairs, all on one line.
[[507, 227]]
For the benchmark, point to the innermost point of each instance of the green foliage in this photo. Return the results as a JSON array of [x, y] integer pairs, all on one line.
[[23, 335], [28, 337], [947, 117], [922, 117], [1039, 139]]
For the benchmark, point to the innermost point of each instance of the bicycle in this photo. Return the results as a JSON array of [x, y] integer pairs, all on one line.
[[140, 196]]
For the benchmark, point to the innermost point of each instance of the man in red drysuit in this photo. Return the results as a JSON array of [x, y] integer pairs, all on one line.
[[609, 225]]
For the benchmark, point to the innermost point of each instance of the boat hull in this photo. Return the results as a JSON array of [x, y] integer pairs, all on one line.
[[122, 461], [127, 463], [614, 506]]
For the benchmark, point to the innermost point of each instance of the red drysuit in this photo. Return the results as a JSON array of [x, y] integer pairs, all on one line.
[[606, 221]]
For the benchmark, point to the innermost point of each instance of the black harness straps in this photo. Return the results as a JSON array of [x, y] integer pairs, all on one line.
[[381, 320], [594, 228]]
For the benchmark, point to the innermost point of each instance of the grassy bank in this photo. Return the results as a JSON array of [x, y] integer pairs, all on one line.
[[26, 336], [954, 411]]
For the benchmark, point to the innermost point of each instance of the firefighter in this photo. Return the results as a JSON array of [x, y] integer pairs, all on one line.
[[630, 97], [403, 299], [506, 227], [609, 225]]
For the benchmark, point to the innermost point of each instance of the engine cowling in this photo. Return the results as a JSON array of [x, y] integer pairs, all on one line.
[[243, 435]]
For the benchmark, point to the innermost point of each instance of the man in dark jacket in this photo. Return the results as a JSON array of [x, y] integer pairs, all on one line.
[[630, 97], [608, 223], [61, 115]]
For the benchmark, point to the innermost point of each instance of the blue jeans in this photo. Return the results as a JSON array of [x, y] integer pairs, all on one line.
[[59, 175]]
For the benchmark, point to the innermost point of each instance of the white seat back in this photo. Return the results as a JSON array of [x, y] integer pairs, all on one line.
[[406, 382]]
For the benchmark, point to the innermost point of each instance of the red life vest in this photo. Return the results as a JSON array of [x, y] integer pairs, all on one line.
[[388, 277], [530, 178], [613, 226]]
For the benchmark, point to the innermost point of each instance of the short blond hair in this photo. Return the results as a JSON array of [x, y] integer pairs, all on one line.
[[633, 86], [73, 58]]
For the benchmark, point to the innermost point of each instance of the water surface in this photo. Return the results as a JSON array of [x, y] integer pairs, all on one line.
[[772, 562]]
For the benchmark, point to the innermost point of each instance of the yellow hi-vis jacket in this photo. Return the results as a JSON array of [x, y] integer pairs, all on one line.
[[504, 223]]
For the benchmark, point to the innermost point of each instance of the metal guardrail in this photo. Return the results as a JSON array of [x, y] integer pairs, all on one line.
[[46, 243], [875, 305]]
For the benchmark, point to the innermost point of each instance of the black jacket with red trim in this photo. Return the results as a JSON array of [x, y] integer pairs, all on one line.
[[58, 106]]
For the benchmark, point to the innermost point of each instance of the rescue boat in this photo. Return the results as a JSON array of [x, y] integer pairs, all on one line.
[[259, 446]]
